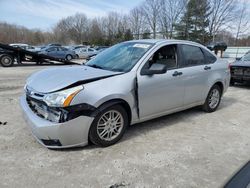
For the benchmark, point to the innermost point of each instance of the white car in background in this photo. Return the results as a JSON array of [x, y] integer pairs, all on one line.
[[86, 52]]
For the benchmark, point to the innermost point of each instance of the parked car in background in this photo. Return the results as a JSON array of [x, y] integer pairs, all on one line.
[[50, 45], [101, 48], [53, 44], [7, 58], [75, 47], [128, 83], [86, 52], [216, 46], [240, 70], [58, 52], [25, 47]]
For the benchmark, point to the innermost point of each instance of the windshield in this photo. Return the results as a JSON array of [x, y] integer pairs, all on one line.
[[246, 57], [121, 57]]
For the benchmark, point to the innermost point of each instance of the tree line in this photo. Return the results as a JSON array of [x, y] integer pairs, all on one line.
[[202, 21]]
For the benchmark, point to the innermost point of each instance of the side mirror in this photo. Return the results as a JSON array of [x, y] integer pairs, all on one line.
[[238, 58], [155, 69]]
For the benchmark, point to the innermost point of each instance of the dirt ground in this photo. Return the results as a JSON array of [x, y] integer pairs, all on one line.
[[186, 149]]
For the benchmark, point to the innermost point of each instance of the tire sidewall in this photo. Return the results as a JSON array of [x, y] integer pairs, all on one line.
[[2, 59], [206, 105], [69, 58], [94, 137]]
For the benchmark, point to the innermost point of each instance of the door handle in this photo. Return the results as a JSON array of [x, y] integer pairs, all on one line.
[[207, 68], [176, 73]]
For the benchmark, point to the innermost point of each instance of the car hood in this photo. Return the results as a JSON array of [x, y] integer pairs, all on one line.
[[54, 79], [241, 64]]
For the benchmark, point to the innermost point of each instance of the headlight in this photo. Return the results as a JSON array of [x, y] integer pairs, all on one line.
[[62, 98]]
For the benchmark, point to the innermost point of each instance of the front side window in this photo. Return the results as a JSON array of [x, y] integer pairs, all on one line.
[[167, 56], [62, 49], [192, 55], [121, 57]]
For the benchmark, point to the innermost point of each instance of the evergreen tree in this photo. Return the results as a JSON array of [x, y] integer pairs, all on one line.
[[128, 35], [146, 34], [194, 23]]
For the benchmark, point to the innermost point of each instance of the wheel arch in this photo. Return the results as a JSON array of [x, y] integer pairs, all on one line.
[[115, 101], [68, 55], [220, 84]]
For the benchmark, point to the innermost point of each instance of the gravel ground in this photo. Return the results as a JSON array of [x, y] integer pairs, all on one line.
[[186, 149]]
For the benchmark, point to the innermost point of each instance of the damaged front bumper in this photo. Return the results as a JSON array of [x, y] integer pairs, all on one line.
[[66, 134]]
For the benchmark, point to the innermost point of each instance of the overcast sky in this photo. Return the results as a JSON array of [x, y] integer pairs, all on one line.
[[43, 14]]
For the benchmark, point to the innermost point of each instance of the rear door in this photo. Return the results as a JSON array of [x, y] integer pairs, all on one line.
[[52, 51], [195, 73], [61, 52]]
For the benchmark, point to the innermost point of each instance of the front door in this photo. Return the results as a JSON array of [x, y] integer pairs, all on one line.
[[160, 93]]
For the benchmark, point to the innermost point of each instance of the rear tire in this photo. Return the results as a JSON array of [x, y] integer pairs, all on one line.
[[108, 126], [213, 99], [69, 57], [6, 61]]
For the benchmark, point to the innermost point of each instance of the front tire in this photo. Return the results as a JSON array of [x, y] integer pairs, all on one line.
[[213, 99], [108, 126]]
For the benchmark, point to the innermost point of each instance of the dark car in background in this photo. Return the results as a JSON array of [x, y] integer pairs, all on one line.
[[216, 46], [7, 57], [58, 52], [240, 70]]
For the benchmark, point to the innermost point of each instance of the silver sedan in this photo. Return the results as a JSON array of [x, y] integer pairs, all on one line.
[[128, 83]]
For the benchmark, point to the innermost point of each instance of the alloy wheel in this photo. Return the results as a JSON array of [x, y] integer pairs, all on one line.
[[110, 125], [214, 98]]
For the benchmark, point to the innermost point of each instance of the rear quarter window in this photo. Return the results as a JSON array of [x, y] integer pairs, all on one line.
[[210, 58]]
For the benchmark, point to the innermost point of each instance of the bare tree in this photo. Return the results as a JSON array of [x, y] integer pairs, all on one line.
[[222, 15], [151, 11], [170, 14], [242, 21], [137, 21], [73, 27]]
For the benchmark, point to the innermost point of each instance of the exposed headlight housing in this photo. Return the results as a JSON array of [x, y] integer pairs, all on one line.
[[62, 98]]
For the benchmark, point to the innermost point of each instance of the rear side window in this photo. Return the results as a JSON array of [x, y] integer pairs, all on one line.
[[209, 57], [192, 55], [63, 49]]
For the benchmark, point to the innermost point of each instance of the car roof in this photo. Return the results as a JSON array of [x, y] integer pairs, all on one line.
[[159, 41]]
